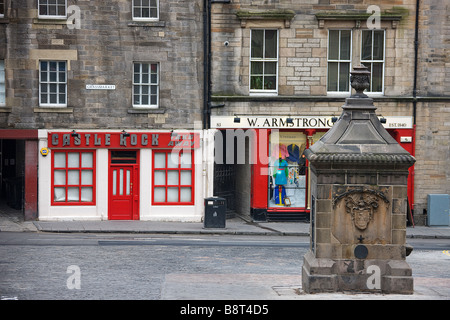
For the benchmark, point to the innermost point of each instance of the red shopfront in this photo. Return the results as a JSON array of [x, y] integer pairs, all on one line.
[[279, 173], [131, 174]]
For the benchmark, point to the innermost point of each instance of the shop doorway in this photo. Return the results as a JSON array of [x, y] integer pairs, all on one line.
[[123, 189], [12, 171]]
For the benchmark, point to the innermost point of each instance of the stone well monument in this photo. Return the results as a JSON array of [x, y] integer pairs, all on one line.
[[358, 204]]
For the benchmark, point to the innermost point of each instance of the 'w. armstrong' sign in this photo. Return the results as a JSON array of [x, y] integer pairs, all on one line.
[[123, 140]]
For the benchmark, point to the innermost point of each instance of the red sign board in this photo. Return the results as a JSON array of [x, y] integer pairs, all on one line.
[[119, 140]]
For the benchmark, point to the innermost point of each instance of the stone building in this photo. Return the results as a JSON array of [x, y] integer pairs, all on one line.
[[280, 69], [103, 89]]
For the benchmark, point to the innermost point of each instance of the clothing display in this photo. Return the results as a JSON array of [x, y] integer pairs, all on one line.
[[294, 153], [281, 172], [279, 195], [279, 151]]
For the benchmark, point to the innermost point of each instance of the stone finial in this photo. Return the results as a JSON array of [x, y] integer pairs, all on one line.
[[359, 79]]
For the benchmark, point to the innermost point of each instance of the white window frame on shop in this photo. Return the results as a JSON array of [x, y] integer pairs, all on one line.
[[52, 9], [52, 83], [145, 10], [373, 57], [2, 84], [264, 53], [73, 177], [339, 61], [145, 85]]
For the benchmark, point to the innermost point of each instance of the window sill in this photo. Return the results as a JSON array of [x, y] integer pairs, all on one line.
[[147, 110], [5, 109], [4, 20], [148, 23], [57, 21], [53, 110]]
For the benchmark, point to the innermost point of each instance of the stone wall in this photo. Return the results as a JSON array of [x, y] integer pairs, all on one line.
[[102, 51]]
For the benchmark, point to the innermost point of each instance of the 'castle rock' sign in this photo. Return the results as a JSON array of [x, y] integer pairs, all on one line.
[[123, 140]]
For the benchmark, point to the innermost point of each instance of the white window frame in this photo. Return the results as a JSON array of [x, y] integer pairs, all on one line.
[[367, 62], [149, 84], [51, 16], [339, 93], [133, 6], [262, 92], [48, 83], [2, 81]]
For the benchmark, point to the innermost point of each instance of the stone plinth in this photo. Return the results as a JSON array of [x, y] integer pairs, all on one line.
[[358, 205]]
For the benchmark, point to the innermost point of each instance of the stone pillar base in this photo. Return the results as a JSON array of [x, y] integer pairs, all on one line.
[[321, 275]]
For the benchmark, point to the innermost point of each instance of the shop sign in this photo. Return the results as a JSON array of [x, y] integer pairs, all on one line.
[[297, 122], [113, 140]]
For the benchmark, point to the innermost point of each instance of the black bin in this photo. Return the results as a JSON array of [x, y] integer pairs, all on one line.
[[215, 212]]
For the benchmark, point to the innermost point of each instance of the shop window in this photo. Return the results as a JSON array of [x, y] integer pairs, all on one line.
[[53, 83], [52, 8], [145, 85], [287, 170], [264, 61], [145, 9], [173, 177], [73, 180], [339, 60], [372, 56]]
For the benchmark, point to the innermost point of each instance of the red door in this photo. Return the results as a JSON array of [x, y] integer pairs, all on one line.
[[123, 191]]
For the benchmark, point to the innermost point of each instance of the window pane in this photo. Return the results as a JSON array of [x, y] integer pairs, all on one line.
[[332, 76], [333, 45], [73, 194], [59, 194], [86, 177], [257, 68], [172, 160], [377, 77], [186, 160], [186, 178], [256, 82], [366, 41], [270, 68], [160, 195], [270, 83], [160, 178], [60, 160], [257, 43], [160, 160], [344, 73], [73, 177], [60, 177], [345, 45], [73, 160], [185, 194], [378, 45], [87, 159], [270, 44], [172, 178], [86, 194], [172, 194]]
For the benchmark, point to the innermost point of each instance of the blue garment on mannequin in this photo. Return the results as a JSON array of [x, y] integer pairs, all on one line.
[[280, 174]]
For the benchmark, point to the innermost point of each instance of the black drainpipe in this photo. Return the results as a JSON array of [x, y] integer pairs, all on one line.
[[207, 62], [416, 52], [206, 57]]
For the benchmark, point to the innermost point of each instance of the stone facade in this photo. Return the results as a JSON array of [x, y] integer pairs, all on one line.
[[302, 69], [102, 51]]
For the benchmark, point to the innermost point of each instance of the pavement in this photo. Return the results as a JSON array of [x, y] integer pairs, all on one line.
[[12, 220]]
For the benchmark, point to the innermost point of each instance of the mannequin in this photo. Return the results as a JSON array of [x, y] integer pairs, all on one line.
[[280, 176]]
